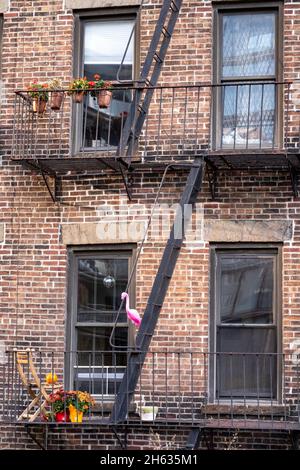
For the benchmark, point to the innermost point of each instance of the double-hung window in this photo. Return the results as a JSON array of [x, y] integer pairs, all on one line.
[[245, 323], [100, 45], [97, 279], [247, 72]]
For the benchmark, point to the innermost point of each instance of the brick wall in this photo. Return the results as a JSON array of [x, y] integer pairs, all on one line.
[[38, 43]]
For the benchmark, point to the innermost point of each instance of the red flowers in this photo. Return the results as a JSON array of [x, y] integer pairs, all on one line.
[[38, 90]]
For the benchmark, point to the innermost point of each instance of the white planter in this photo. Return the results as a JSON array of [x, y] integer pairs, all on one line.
[[148, 413]]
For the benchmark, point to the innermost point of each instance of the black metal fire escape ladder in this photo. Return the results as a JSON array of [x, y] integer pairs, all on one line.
[[148, 78], [158, 293]]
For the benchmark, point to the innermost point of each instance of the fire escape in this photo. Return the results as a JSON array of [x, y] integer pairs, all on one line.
[[40, 145]]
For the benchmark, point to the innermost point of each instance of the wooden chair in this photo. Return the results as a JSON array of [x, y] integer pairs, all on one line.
[[37, 391]]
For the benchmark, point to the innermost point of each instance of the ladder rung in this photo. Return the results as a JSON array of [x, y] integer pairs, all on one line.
[[157, 58], [166, 32], [174, 6], [176, 247], [148, 82], [143, 110], [168, 276], [134, 135]]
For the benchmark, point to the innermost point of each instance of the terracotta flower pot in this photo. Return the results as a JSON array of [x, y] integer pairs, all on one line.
[[75, 415], [78, 96], [104, 98], [56, 100], [39, 106]]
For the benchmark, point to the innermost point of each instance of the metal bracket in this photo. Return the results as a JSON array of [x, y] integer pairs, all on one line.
[[57, 186], [212, 174], [42, 445], [127, 180], [295, 439], [209, 438], [294, 175], [57, 183], [123, 443]]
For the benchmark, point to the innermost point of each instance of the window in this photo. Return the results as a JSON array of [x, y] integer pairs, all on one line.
[[245, 323], [97, 280], [101, 42], [247, 69]]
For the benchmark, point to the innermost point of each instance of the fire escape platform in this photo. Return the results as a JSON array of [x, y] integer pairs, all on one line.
[[208, 423], [70, 165], [253, 160], [260, 160]]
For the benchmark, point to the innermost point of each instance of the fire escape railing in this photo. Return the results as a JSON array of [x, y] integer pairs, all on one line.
[[182, 121], [258, 390]]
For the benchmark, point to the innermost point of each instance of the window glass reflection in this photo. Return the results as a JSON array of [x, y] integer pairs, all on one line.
[[105, 43]]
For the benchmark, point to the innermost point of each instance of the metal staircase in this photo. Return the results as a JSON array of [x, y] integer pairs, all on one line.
[[158, 293], [149, 76], [194, 439]]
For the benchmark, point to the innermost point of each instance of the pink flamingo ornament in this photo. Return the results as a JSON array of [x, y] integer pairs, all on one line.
[[132, 314]]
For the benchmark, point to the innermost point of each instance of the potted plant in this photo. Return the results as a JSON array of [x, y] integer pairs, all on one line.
[[147, 412], [59, 406], [57, 96], [40, 95], [77, 88], [79, 404], [101, 89]]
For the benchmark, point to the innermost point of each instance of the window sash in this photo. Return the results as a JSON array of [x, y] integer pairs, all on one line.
[[109, 34], [253, 14], [255, 255]]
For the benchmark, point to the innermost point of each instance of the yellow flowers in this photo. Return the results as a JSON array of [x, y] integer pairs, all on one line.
[[86, 398]]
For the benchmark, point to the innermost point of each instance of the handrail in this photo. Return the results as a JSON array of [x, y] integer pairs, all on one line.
[[121, 86]]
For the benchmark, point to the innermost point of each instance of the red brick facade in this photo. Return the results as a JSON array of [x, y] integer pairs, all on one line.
[[38, 44]]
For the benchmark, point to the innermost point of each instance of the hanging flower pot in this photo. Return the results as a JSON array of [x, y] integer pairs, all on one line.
[[39, 105], [75, 415], [104, 98], [77, 89], [78, 96], [38, 92], [56, 100]]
